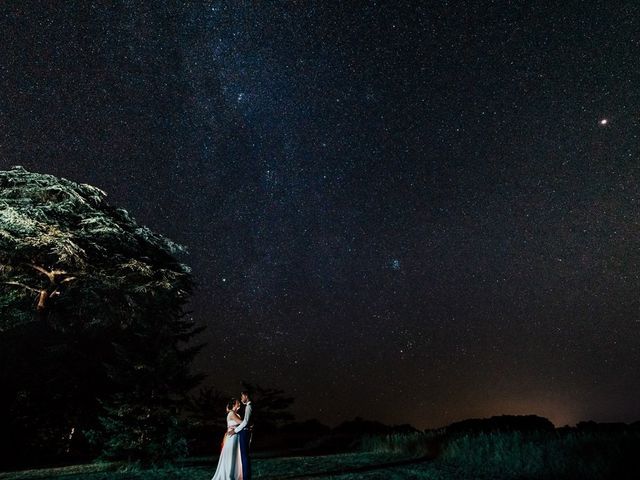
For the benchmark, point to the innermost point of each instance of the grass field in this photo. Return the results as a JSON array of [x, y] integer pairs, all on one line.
[[497, 456], [348, 466]]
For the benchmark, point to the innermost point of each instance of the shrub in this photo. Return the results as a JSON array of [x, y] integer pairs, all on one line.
[[414, 444], [543, 455]]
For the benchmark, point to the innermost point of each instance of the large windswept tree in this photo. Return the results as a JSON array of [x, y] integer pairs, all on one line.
[[64, 252], [91, 307]]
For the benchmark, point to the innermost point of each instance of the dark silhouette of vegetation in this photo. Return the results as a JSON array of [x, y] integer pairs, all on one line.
[[312, 427], [91, 324], [360, 426], [205, 417], [151, 371], [271, 415], [507, 423], [522, 447], [271, 409], [606, 427]]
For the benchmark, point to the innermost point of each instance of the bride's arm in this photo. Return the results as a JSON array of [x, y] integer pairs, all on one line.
[[237, 417]]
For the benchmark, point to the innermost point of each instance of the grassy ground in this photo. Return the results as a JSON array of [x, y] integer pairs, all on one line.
[[349, 466], [498, 456], [352, 466]]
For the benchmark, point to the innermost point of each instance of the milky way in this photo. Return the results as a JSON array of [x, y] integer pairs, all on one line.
[[409, 212]]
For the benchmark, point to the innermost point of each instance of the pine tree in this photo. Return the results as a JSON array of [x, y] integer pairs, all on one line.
[[142, 420]]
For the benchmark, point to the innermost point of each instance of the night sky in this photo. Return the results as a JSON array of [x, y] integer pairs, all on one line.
[[414, 212]]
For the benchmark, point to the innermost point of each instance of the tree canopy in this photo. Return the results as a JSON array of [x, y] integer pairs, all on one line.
[[93, 340], [64, 251]]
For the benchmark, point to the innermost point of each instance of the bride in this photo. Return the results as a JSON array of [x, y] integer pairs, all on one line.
[[230, 462]]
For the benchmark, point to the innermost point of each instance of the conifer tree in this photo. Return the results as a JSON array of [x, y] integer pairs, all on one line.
[[97, 299]]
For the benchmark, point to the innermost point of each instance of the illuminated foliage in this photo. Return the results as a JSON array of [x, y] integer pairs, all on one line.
[[73, 259], [92, 324]]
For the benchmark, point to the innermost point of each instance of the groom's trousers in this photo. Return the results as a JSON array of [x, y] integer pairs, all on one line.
[[245, 435]]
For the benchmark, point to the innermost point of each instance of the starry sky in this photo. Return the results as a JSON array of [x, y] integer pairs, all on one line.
[[414, 212]]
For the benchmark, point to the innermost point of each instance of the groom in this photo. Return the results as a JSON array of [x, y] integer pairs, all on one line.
[[244, 432]]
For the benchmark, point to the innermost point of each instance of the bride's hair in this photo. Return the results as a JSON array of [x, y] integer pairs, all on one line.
[[231, 403]]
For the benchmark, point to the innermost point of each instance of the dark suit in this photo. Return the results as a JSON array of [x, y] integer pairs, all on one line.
[[244, 438]]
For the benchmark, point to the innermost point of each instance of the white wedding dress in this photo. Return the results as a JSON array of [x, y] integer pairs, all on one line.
[[230, 462]]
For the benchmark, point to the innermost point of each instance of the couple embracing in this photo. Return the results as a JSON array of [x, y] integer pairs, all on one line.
[[234, 461]]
